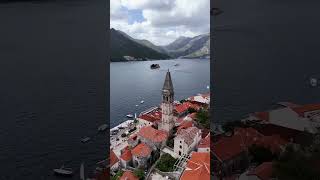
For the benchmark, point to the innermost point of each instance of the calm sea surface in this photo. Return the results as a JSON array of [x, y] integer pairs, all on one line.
[[265, 52], [131, 82], [52, 74]]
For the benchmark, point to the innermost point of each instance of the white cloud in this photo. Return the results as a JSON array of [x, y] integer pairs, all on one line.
[[164, 20]]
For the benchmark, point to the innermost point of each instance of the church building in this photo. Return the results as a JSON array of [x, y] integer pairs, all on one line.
[[167, 119]]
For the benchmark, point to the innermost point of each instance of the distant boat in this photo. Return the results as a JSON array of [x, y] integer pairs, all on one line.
[[62, 171], [130, 116], [102, 127], [154, 66], [208, 87], [176, 64], [313, 82], [82, 172], [85, 139], [137, 105], [141, 102]]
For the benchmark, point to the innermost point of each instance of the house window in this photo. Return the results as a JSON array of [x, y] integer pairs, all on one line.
[[180, 147], [180, 142], [179, 153]]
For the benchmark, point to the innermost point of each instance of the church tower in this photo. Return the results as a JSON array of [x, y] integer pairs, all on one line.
[[167, 120]]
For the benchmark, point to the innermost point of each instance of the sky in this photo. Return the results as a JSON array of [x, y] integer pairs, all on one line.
[[160, 21]]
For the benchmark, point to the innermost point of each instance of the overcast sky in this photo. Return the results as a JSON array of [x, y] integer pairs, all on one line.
[[160, 21]]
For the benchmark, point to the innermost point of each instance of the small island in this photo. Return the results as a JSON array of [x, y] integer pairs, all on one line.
[[154, 66]]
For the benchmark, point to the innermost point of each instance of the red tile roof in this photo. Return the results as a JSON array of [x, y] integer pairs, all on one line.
[[274, 143], [151, 117], [180, 120], [198, 167], [126, 154], [263, 171], [228, 147], [205, 142], [264, 116], [193, 115], [152, 134], [141, 150], [113, 158], [185, 106], [128, 175], [285, 133], [306, 108], [185, 125]]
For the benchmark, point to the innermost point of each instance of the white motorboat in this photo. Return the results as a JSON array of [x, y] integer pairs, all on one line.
[[102, 127], [130, 116], [141, 102], [85, 139], [63, 171], [137, 105], [313, 82]]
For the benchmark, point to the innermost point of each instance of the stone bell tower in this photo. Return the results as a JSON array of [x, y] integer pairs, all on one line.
[[167, 120]]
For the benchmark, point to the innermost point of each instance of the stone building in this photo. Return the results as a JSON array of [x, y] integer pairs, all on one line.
[[186, 140], [141, 156]]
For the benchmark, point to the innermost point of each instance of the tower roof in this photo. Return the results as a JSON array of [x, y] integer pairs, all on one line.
[[168, 83]]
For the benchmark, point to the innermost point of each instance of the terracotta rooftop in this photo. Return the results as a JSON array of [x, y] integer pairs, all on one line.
[[198, 167], [128, 175], [152, 134], [113, 158], [285, 133], [263, 171], [306, 108], [180, 108], [126, 154], [193, 115], [180, 120], [141, 150], [188, 134], [273, 143], [185, 125], [205, 142], [264, 116], [152, 116], [227, 147]]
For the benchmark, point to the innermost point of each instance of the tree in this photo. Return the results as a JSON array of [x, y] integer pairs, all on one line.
[[229, 126], [170, 142], [295, 164], [182, 101], [166, 163], [117, 175], [203, 118], [191, 110], [139, 173], [261, 154]]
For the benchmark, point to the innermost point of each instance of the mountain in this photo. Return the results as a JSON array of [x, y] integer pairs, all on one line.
[[178, 43], [185, 47], [151, 45], [123, 47]]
